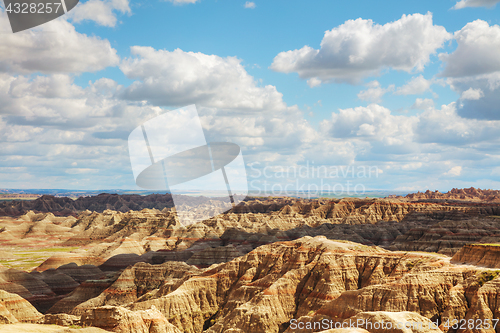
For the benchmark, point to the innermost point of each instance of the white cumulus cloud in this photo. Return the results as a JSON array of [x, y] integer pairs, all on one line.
[[360, 48], [417, 85], [54, 47], [423, 104], [475, 3], [447, 127], [473, 70], [374, 121], [180, 78], [454, 172], [374, 92], [476, 53], [103, 12], [472, 94], [181, 2], [250, 4]]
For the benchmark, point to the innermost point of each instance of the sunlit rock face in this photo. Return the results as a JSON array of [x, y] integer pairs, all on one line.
[[308, 280], [259, 266]]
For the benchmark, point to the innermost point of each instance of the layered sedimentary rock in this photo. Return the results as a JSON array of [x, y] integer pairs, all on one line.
[[85, 291], [35, 230], [120, 261], [44, 289], [40, 328], [123, 203], [68, 206], [78, 273], [219, 275], [61, 319], [469, 194], [34, 290], [76, 258], [214, 255], [121, 320], [449, 236], [14, 308], [190, 303], [116, 319], [396, 223], [63, 206], [138, 282], [486, 255], [58, 282], [417, 232], [309, 279]]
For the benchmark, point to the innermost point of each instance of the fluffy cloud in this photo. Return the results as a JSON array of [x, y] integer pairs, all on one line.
[[480, 106], [417, 149], [67, 131], [181, 2], [475, 3], [423, 104], [417, 85], [472, 94], [260, 132], [447, 127], [56, 102], [473, 70], [374, 92], [479, 96], [476, 53], [54, 47], [313, 82], [103, 12], [55, 133], [360, 48], [371, 123], [179, 78], [454, 172], [250, 4], [379, 127], [54, 86]]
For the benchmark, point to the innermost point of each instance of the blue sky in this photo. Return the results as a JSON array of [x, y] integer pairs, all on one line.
[[408, 87]]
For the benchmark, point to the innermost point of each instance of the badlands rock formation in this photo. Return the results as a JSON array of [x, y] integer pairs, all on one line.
[[62, 206], [115, 240], [44, 289], [14, 308], [123, 203], [449, 236], [37, 328], [256, 268], [486, 255], [469, 194], [309, 279]]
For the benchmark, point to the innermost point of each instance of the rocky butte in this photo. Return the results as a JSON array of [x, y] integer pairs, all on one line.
[[427, 262]]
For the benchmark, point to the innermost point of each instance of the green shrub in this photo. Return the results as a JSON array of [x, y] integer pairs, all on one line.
[[487, 276]]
